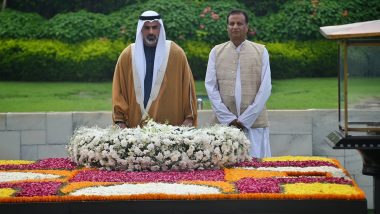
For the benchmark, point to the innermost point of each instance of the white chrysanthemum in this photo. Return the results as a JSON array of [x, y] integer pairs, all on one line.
[[18, 176], [336, 172], [199, 155], [149, 188], [166, 146]]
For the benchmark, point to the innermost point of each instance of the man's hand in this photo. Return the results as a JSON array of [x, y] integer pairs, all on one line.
[[188, 122], [237, 124], [122, 125]]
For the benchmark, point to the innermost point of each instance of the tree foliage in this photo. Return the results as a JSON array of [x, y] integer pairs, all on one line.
[[79, 26], [73, 40], [263, 7], [195, 20], [301, 19], [15, 24], [50, 8]]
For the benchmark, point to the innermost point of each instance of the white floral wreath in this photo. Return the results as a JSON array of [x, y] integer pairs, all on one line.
[[157, 147]]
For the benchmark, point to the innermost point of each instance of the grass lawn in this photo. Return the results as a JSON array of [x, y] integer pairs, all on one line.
[[48, 96], [311, 93], [304, 93]]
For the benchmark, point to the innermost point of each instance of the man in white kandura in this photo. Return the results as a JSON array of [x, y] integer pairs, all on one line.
[[238, 84], [153, 79]]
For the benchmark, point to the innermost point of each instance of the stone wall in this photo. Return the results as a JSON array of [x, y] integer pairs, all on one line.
[[32, 136]]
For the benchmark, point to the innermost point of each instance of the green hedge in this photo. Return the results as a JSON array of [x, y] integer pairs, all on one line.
[[46, 60], [94, 60], [303, 59], [197, 55]]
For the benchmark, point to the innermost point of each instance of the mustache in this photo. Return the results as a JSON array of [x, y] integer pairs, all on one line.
[[151, 37]]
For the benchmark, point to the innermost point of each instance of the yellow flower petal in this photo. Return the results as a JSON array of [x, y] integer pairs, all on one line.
[[319, 188], [6, 192], [298, 158], [15, 162]]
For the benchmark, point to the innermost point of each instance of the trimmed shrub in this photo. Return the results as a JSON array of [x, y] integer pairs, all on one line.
[[46, 60], [197, 54], [35, 60], [94, 60], [17, 25], [80, 26], [97, 59], [303, 59]]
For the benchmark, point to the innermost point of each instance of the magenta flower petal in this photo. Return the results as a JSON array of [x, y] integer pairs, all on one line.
[[30, 189], [251, 185], [272, 185], [169, 176], [49, 163], [256, 163]]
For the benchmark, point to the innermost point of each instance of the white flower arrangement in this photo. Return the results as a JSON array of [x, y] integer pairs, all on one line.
[[158, 147], [147, 188], [20, 176]]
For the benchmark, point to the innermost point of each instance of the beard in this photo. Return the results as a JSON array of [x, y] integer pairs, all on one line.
[[150, 40]]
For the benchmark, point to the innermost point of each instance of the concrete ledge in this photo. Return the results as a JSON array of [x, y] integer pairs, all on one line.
[[29, 152], [26, 121], [33, 137], [10, 145], [292, 132], [100, 119], [59, 127], [3, 118], [51, 151], [290, 122], [291, 144]]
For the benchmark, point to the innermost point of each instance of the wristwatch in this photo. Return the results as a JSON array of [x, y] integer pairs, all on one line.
[[119, 122]]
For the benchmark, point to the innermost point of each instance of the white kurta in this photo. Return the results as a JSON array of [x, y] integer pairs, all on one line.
[[259, 137]]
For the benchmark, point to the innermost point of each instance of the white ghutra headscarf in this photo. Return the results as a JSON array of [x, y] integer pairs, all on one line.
[[139, 55]]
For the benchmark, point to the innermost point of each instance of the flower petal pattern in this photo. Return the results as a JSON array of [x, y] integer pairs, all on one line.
[[58, 179], [18, 176], [152, 188]]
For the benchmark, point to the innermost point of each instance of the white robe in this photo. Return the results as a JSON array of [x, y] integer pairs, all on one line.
[[259, 137]]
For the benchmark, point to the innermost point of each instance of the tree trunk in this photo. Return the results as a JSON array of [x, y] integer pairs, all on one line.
[[4, 5]]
